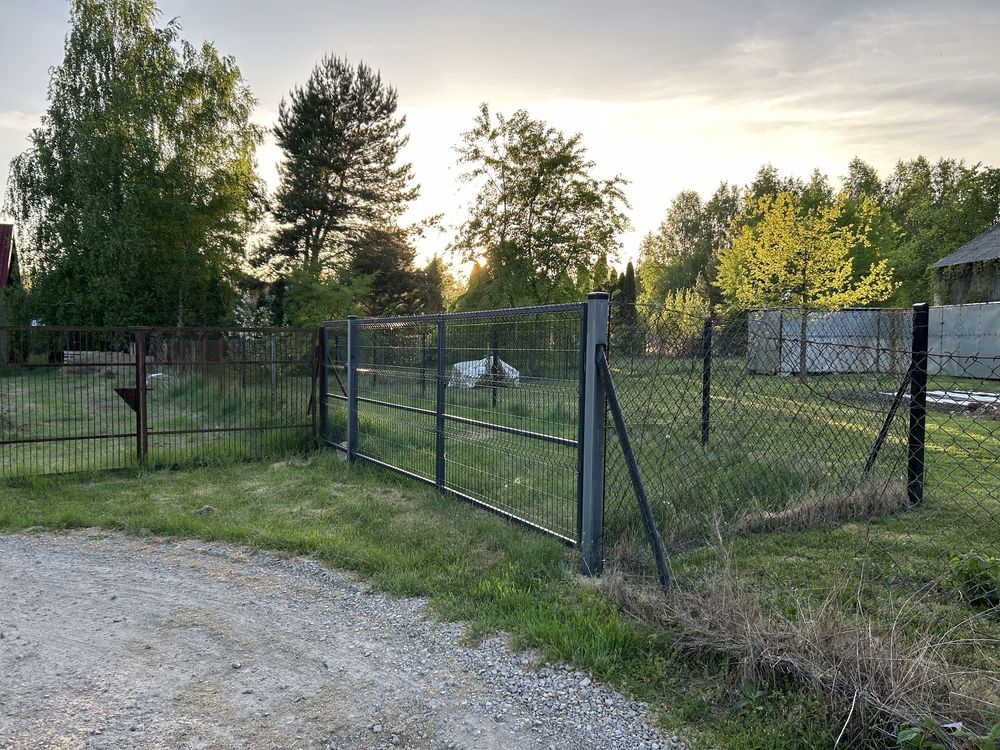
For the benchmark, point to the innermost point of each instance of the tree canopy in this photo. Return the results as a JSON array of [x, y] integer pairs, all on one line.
[[540, 221], [137, 192], [340, 175]]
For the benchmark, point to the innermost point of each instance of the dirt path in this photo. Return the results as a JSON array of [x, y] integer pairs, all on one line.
[[114, 642]]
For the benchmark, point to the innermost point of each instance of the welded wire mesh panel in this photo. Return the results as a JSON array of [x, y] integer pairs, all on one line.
[[215, 393], [336, 384], [63, 400], [397, 387], [512, 405], [484, 405], [78, 399]]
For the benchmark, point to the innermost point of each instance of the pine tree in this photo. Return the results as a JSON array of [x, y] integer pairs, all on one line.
[[339, 178]]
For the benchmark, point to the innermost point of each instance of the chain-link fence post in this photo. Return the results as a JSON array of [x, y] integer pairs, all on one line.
[[592, 466], [706, 379], [352, 387], [916, 438], [439, 408]]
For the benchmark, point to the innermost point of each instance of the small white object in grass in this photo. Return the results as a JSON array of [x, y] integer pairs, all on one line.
[[475, 372], [158, 377]]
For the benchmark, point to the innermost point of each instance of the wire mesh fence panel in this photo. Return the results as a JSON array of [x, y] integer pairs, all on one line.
[[397, 387], [483, 405], [223, 393], [64, 400], [77, 399], [512, 411], [334, 420], [774, 449]]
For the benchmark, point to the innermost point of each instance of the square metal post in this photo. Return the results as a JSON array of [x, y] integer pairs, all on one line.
[[352, 388], [592, 469], [916, 437], [141, 415], [440, 406]]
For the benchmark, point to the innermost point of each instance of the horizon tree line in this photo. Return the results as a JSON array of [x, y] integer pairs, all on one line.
[[138, 202]]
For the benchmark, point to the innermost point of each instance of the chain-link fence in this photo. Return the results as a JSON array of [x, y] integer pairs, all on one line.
[[800, 473], [483, 405], [80, 399]]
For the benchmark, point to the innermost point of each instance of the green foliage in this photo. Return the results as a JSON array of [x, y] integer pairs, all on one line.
[[136, 194], [919, 214], [340, 139], [977, 579], [383, 260], [790, 255], [539, 216], [309, 300], [937, 207], [688, 242], [932, 735]]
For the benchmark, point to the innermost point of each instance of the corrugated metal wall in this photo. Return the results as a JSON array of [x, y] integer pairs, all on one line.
[[964, 340], [862, 340]]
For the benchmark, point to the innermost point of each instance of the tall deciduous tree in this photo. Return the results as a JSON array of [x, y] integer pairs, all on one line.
[[138, 190], [340, 176], [687, 243], [785, 256], [539, 214], [937, 207], [385, 262]]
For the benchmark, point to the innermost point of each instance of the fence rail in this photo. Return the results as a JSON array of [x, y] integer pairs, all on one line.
[[85, 398]]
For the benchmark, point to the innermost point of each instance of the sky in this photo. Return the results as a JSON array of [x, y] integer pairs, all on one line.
[[670, 95]]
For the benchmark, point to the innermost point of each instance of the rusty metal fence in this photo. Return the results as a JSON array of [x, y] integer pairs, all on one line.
[[79, 399]]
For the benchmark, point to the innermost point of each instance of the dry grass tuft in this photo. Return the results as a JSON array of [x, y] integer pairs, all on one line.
[[867, 499], [874, 682]]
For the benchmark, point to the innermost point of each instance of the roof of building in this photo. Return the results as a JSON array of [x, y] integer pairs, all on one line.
[[984, 247], [6, 253]]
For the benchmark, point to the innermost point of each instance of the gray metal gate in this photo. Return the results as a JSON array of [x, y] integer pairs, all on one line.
[[489, 406]]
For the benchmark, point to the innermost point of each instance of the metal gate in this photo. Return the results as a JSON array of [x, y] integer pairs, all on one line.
[[488, 406], [82, 399]]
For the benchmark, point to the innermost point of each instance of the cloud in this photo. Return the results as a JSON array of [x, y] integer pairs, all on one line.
[[20, 122]]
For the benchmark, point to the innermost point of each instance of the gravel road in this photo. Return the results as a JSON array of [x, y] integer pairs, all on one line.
[[108, 641]]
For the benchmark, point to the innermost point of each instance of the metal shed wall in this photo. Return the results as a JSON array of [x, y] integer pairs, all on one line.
[[861, 340]]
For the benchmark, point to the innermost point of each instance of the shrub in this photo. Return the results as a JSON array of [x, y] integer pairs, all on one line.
[[977, 579]]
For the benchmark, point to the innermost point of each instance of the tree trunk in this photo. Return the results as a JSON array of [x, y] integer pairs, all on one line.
[[803, 344]]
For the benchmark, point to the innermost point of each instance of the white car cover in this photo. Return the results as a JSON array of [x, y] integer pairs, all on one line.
[[469, 374]]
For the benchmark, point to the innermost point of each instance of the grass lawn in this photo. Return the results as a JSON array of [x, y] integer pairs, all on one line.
[[409, 540]]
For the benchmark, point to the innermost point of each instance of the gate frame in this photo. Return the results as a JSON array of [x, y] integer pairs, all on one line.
[[589, 443]]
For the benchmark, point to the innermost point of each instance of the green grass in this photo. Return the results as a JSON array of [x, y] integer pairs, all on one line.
[[409, 540]]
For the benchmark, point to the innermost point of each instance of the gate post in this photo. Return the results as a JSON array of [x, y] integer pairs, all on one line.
[[352, 387], [141, 416], [916, 437], [592, 452]]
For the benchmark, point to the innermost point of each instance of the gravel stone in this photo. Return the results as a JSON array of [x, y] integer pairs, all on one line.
[[224, 647]]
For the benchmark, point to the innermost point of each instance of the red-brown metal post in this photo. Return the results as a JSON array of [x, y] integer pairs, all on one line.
[[141, 427]]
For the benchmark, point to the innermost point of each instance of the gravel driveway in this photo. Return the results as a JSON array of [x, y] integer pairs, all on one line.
[[114, 642]]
